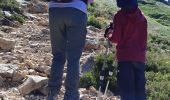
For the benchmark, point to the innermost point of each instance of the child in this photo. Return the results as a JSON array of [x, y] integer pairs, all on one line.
[[129, 32]]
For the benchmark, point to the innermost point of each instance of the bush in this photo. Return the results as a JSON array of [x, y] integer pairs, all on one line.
[[99, 15], [157, 62], [158, 87], [87, 80], [161, 14], [14, 8], [10, 5], [94, 22]]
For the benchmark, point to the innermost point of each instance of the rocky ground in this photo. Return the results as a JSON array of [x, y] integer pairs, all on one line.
[[25, 57]]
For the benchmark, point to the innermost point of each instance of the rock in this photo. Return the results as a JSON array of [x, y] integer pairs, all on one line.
[[91, 44], [7, 13], [10, 71], [88, 65], [17, 77], [1, 81], [7, 70], [31, 16], [7, 44], [31, 72], [33, 45], [43, 69], [43, 23], [109, 93], [94, 29], [11, 94], [7, 29], [32, 83], [9, 57], [84, 97], [3, 96], [45, 31], [1, 35], [38, 8], [44, 90], [29, 63]]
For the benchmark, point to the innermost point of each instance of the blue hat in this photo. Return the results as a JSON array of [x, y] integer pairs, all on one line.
[[127, 4]]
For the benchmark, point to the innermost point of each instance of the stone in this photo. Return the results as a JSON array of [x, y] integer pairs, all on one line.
[[10, 71], [43, 69], [7, 29], [32, 72], [7, 13], [29, 64], [43, 23], [1, 35], [91, 44], [94, 29], [37, 8], [7, 44], [1, 81], [45, 31], [43, 90], [9, 57], [32, 83], [17, 77], [88, 65], [31, 16], [3, 96], [84, 97]]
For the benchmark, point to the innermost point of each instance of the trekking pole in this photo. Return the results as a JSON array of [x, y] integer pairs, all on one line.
[[105, 60], [109, 45], [114, 68], [103, 67]]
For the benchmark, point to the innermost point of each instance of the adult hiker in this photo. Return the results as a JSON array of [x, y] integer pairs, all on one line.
[[67, 22], [129, 33]]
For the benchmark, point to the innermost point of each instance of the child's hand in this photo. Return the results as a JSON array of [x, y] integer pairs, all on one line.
[[109, 31]]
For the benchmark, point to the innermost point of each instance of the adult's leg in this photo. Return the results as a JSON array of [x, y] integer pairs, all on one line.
[[126, 82], [58, 44], [76, 34]]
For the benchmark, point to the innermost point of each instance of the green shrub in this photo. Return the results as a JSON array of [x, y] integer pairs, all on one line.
[[94, 22], [103, 8], [157, 86], [10, 5], [161, 14], [19, 18], [95, 73], [157, 62], [14, 8], [87, 80]]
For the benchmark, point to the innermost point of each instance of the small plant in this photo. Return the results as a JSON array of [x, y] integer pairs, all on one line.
[[157, 62], [94, 22], [87, 80], [13, 7], [157, 85], [95, 74]]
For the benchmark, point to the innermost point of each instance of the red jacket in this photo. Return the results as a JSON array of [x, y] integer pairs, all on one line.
[[130, 35]]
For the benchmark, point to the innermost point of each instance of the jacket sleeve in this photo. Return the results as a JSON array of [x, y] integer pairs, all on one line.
[[117, 30]]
